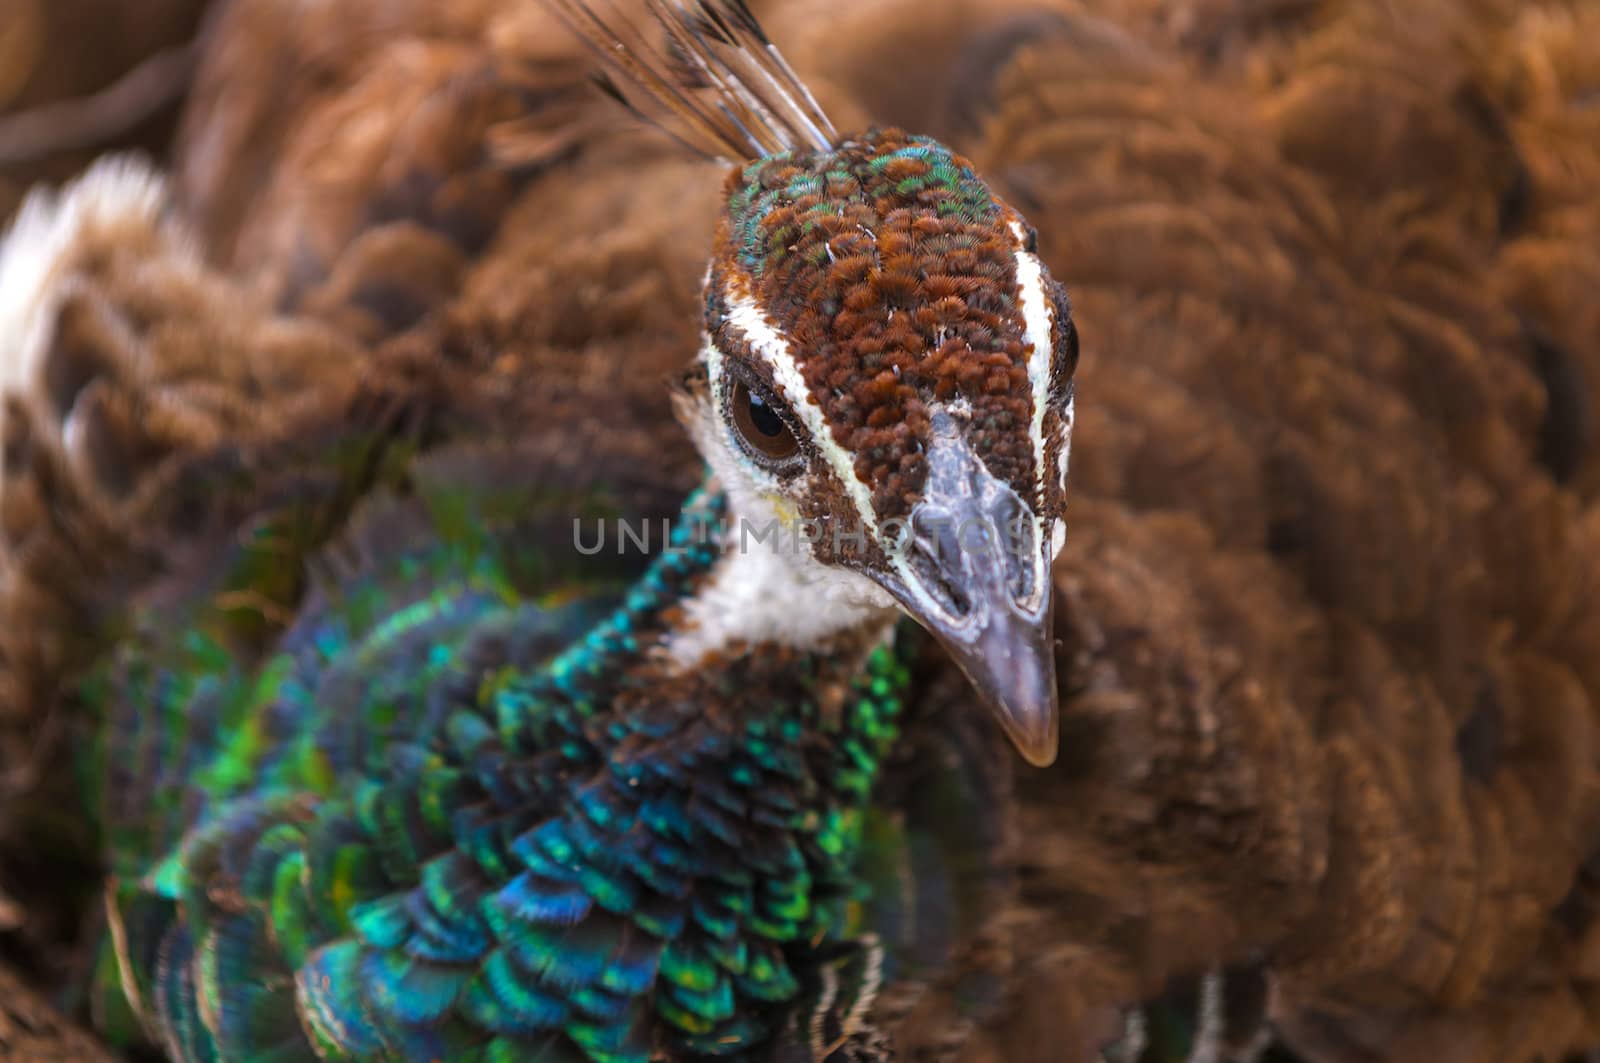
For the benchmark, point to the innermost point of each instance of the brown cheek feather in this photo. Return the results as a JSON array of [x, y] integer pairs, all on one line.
[[840, 537]]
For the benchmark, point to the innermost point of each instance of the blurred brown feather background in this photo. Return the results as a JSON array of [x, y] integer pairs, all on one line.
[[1330, 601]]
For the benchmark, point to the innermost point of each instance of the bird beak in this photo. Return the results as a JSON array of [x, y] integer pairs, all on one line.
[[971, 570]]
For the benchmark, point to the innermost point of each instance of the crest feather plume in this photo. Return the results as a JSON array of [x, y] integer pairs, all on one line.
[[717, 84]]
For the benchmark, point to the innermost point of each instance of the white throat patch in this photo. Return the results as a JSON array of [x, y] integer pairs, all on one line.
[[767, 586], [773, 591]]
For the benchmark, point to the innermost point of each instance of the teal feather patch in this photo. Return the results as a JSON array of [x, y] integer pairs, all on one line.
[[449, 816]]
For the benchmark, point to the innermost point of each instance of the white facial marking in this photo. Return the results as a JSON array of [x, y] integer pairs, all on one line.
[[773, 590], [1038, 313], [1058, 537], [715, 361], [1068, 415], [767, 586], [774, 350]]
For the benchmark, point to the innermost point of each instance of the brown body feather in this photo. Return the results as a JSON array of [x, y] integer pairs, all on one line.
[[1338, 719]]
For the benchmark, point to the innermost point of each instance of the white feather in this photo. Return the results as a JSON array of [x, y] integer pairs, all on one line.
[[40, 254], [37, 254], [1036, 315]]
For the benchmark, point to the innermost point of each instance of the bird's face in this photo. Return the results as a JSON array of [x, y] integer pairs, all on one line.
[[886, 373]]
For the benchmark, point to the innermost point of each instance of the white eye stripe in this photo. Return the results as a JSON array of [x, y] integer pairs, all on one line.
[[1038, 314], [773, 350], [1067, 416]]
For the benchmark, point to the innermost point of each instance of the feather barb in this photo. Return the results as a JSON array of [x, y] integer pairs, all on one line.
[[716, 83]]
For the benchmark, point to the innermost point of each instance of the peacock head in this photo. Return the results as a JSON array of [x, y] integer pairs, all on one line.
[[884, 384]]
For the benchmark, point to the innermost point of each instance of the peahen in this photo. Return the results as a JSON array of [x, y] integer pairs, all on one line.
[[452, 786], [1327, 611]]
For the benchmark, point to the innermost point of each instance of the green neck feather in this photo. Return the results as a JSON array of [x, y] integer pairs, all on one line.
[[568, 857]]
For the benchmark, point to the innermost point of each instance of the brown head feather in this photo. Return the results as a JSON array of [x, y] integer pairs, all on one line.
[[891, 269]]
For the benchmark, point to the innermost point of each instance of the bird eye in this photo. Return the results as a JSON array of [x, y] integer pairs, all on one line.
[[760, 427]]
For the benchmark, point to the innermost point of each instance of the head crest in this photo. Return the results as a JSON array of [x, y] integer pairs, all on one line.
[[717, 84]]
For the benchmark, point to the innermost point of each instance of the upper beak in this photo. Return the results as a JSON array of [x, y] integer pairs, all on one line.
[[972, 571]]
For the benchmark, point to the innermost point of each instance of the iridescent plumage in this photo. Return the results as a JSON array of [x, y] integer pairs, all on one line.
[[449, 818], [485, 799]]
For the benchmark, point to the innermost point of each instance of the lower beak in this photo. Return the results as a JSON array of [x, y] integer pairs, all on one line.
[[972, 571]]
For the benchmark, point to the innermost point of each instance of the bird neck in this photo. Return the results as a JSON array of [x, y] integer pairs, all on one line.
[[627, 689], [600, 853], [765, 587], [717, 810]]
